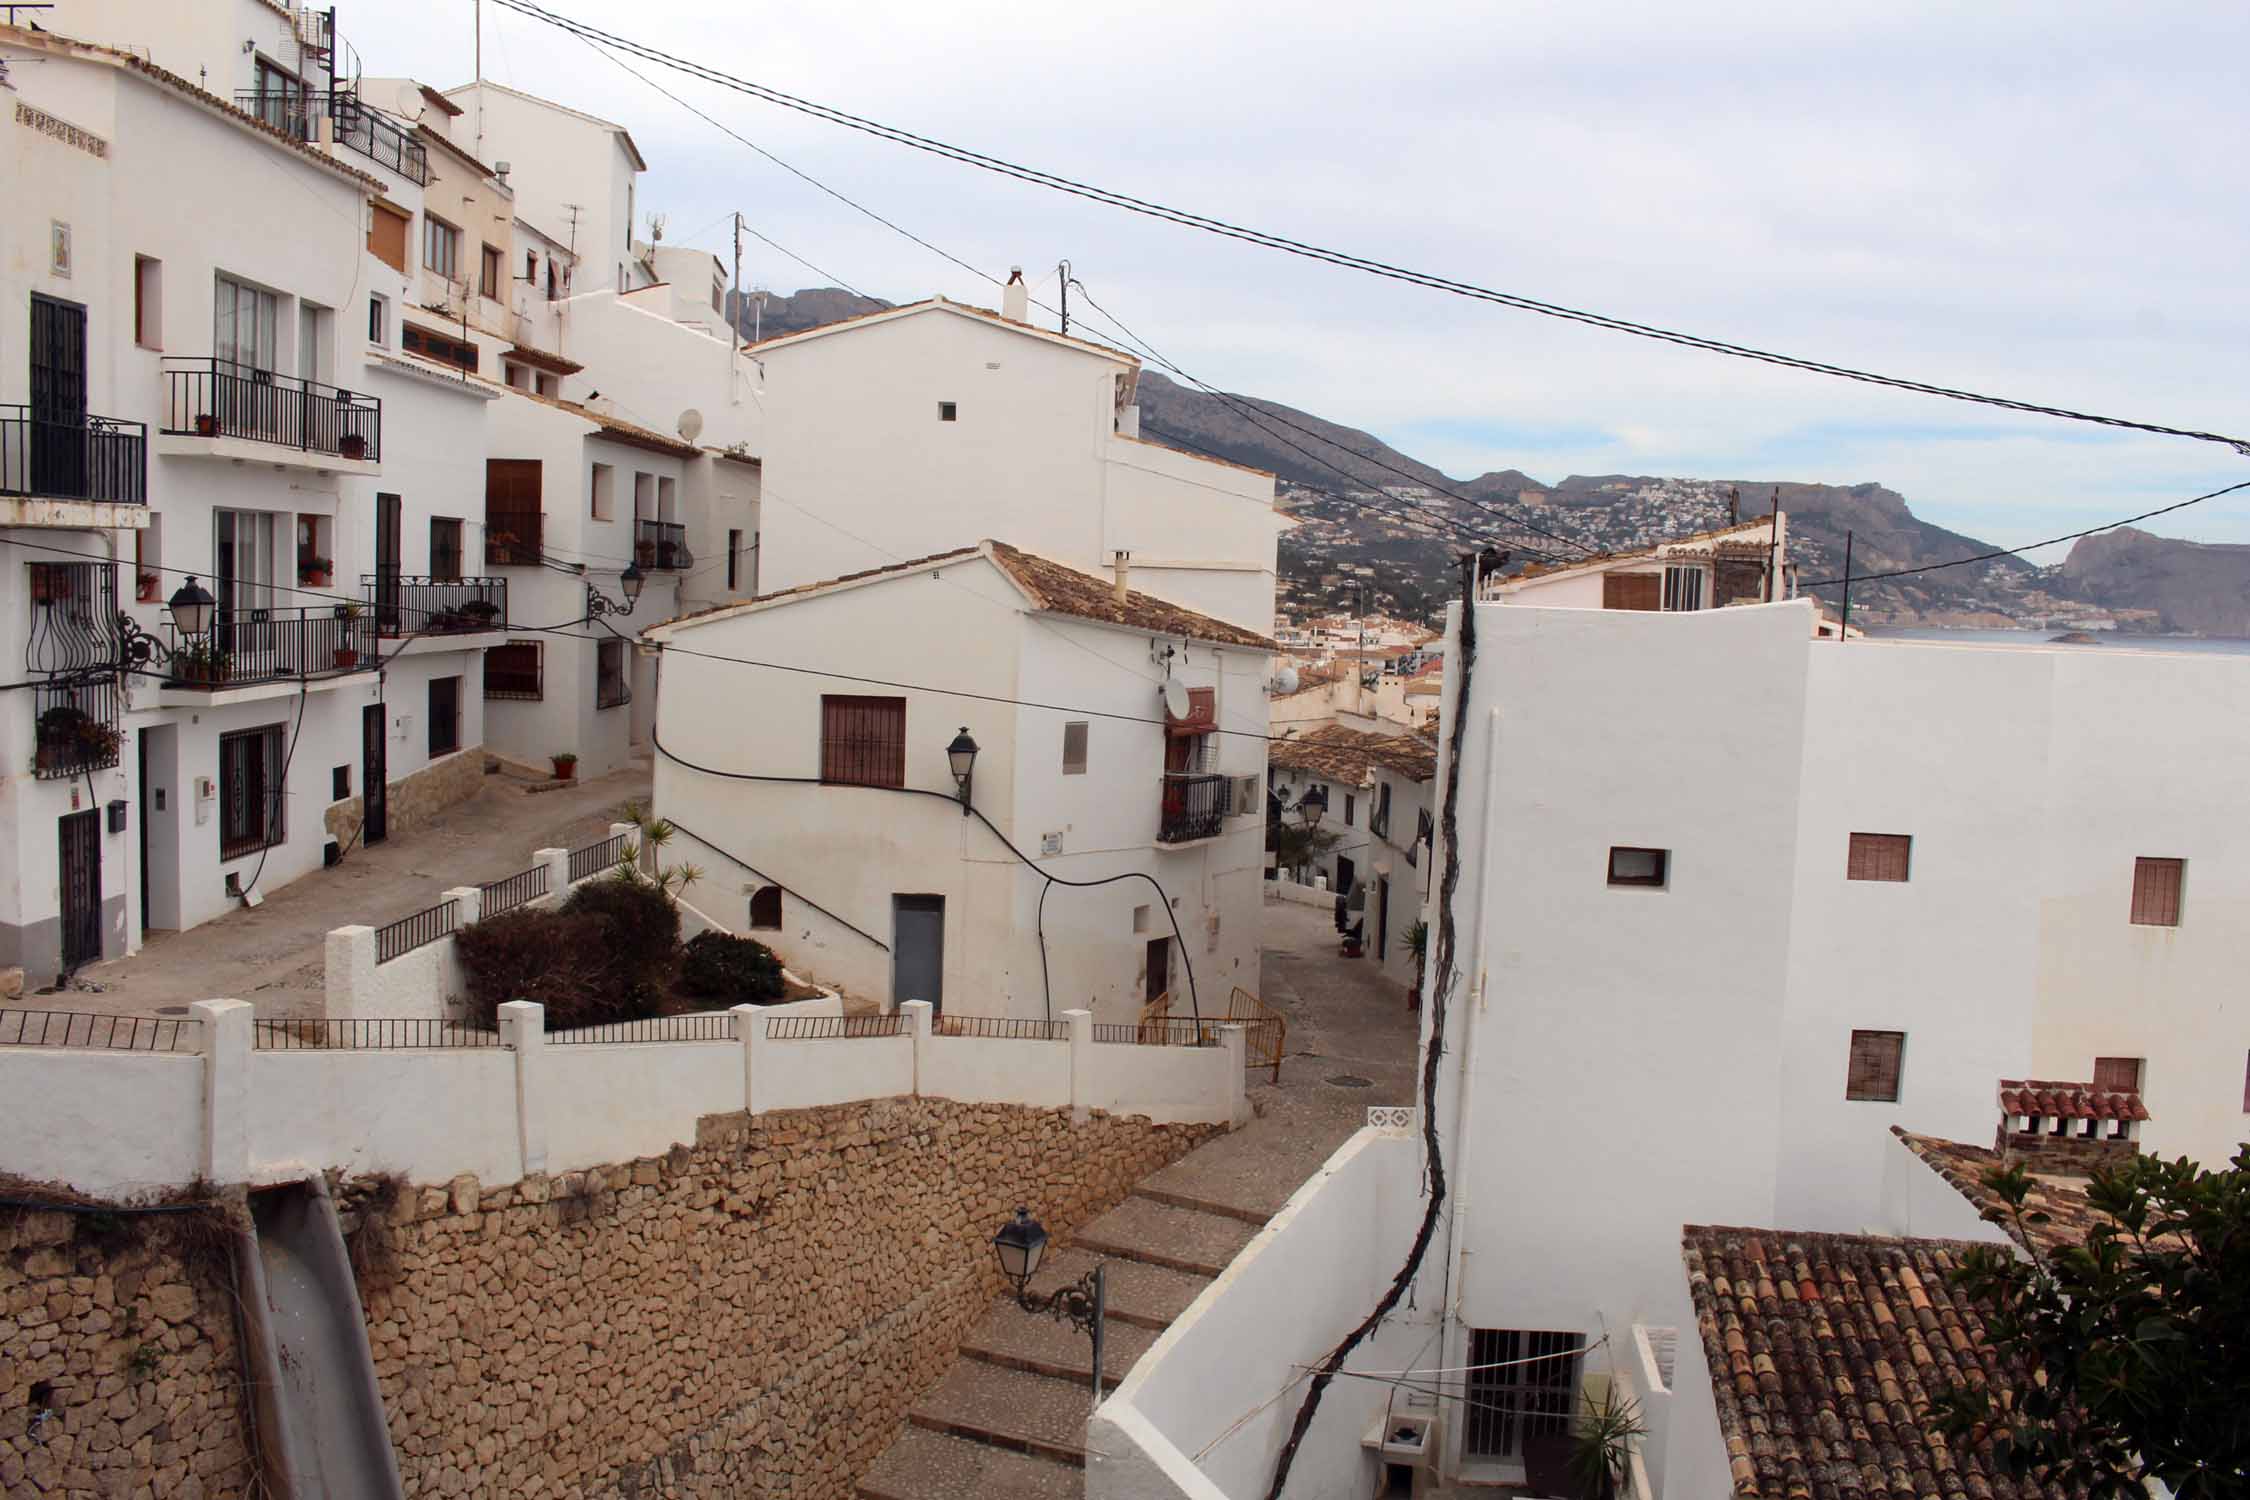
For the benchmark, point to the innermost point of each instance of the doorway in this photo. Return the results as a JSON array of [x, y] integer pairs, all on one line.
[[918, 950], [58, 397], [159, 749], [1382, 917], [81, 840], [1159, 981], [1346, 873], [374, 776]]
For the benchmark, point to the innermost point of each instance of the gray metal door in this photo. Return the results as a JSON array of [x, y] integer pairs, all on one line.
[[918, 949], [81, 888]]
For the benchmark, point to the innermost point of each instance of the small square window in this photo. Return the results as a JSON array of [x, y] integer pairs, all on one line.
[[948, 412], [1630, 866], [148, 302], [1074, 749], [341, 784], [2156, 891], [2117, 1075], [379, 322], [1875, 1062], [1878, 856]]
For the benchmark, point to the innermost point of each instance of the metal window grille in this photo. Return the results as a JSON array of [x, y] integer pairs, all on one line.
[[832, 1028], [512, 891], [862, 740], [595, 858], [75, 696], [1683, 588], [513, 671], [650, 1029], [2156, 891], [74, 1028], [252, 798], [1876, 1060], [1522, 1384], [369, 1035], [411, 932], [1007, 1028], [1074, 749], [1878, 856], [2117, 1075]]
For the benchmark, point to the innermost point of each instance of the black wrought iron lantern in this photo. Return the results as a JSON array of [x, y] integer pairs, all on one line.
[[631, 581], [961, 755], [1312, 805], [1020, 1244], [192, 609]]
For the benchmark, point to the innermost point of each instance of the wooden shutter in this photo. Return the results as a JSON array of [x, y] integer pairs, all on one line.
[[1878, 856], [2115, 1075], [2156, 891], [1632, 591], [386, 236], [1875, 1060], [862, 740], [512, 521]]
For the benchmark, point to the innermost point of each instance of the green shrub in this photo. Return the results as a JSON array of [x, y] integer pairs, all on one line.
[[556, 959], [732, 970]]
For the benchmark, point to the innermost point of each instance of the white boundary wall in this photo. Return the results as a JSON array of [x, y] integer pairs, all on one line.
[[122, 1123]]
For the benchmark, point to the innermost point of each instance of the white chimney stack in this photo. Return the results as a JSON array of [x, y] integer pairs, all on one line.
[[1015, 297], [1124, 565]]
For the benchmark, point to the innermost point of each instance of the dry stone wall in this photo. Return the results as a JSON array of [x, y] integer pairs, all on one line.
[[416, 799], [750, 1316], [119, 1371]]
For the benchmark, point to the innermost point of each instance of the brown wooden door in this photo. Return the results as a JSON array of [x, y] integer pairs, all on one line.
[[512, 512], [81, 887], [1159, 981]]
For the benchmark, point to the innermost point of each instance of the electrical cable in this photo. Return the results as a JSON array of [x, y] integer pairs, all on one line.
[[1308, 251], [1179, 938], [274, 797]]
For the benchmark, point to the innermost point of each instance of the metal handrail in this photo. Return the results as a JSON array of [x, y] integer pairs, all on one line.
[[366, 1035], [213, 397], [79, 457], [648, 1029], [598, 857], [661, 545], [512, 891], [1001, 1028], [413, 604], [832, 1028], [1191, 806], [247, 646], [79, 1028], [417, 930], [1174, 1033]]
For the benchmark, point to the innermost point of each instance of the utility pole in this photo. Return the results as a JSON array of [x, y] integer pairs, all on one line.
[[1062, 279], [479, 49], [734, 314], [1846, 623]]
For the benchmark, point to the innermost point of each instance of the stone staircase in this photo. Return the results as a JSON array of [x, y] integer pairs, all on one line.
[[1008, 1422]]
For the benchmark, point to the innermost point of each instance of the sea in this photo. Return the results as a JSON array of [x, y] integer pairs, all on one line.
[[2105, 640]]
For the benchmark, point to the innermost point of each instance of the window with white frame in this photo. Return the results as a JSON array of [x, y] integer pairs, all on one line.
[[245, 322], [1683, 588]]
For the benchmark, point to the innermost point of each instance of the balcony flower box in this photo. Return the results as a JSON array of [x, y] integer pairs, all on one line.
[[353, 446], [206, 425], [205, 666], [70, 738], [314, 572]]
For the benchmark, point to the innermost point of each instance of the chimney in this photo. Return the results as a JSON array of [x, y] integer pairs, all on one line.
[[1015, 297], [1122, 561]]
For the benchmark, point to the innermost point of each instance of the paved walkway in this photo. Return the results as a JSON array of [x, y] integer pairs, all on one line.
[[272, 955], [1008, 1422]]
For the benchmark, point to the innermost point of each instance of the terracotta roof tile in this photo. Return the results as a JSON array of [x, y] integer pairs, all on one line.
[[2062, 1199], [2070, 1101], [615, 427], [1827, 1352], [1336, 753]]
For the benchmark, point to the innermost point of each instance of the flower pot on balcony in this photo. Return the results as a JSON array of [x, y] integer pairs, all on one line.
[[346, 656], [206, 425], [144, 588], [644, 553], [353, 446]]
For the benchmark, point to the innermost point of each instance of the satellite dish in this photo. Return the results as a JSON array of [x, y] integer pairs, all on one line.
[[1175, 700], [1285, 681], [691, 424]]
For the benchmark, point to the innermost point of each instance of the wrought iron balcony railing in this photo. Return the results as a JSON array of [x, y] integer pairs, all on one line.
[[76, 458], [408, 605], [661, 544], [1193, 807], [219, 398], [248, 646], [359, 127]]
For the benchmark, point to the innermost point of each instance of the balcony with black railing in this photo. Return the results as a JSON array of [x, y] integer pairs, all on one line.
[[217, 398], [1193, 807], [248, 646], [406, 605], [661, 545], [73, 457], [359, 127]]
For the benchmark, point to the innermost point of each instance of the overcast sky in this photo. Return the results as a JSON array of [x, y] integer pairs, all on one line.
[[2039, 201]]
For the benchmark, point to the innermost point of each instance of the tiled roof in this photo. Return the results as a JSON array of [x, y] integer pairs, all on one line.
[[1049, 585], [2070, 1101], [1827, 1352], [615, 427], [2062, 1199], [1350, 756]]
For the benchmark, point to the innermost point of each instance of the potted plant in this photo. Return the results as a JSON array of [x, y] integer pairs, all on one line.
[[314, 571], [145, 586], [206, 425], [1418, 944], [566, 765], [60, 729], [347, 652], [204, 664], [480, 613], [1602, 1447], [353, 446], [644, 553]]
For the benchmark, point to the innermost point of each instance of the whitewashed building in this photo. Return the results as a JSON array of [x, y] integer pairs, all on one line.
[[1744, 563], [795, 790]]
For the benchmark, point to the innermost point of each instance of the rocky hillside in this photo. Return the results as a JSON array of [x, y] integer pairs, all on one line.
[[2203, 587], [798, 311]]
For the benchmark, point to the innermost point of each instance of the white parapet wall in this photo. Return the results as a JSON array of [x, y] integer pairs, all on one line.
[[1205, 1412], [244, 1103]]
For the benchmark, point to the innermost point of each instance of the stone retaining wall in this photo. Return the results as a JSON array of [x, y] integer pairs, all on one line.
[[417, 799], [751, 1316], [119, 1374]]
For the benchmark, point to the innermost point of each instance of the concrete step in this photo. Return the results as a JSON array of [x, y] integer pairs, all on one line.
[[1178, 1199], [987, 1403], [1137, 1292], [924, 1465], [1045, 1346], [1159, 1234]]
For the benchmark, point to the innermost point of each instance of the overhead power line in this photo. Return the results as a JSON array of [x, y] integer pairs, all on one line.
[[2053, 541], [1306, 250]]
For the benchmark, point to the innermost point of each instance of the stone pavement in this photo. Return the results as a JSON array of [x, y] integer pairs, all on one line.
[[272, 955], [1008, 1422]]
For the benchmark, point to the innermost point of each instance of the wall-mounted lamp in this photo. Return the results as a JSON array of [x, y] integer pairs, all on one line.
[[961, 755]]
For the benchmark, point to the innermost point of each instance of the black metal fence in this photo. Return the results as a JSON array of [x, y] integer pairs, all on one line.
[[1194, 807], [595, 858], [661, 544], [361, 129], [405, 604], [1004, 1028], [512, 891], [270, 645], [78, 1028], [650, 1029], [832, 1028], [1174, 1033], [218, 398], [423, 927], [73, 458], [307, 1036]]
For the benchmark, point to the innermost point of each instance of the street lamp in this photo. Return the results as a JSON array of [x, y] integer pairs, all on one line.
[[1020, 1245], [961, 755], [630, 581], [192, 607], [1312, 805]]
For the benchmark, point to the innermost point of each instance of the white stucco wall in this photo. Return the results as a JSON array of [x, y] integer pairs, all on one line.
[[430, 1113], [110, 1123], [571, 174], [612, 1101]]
